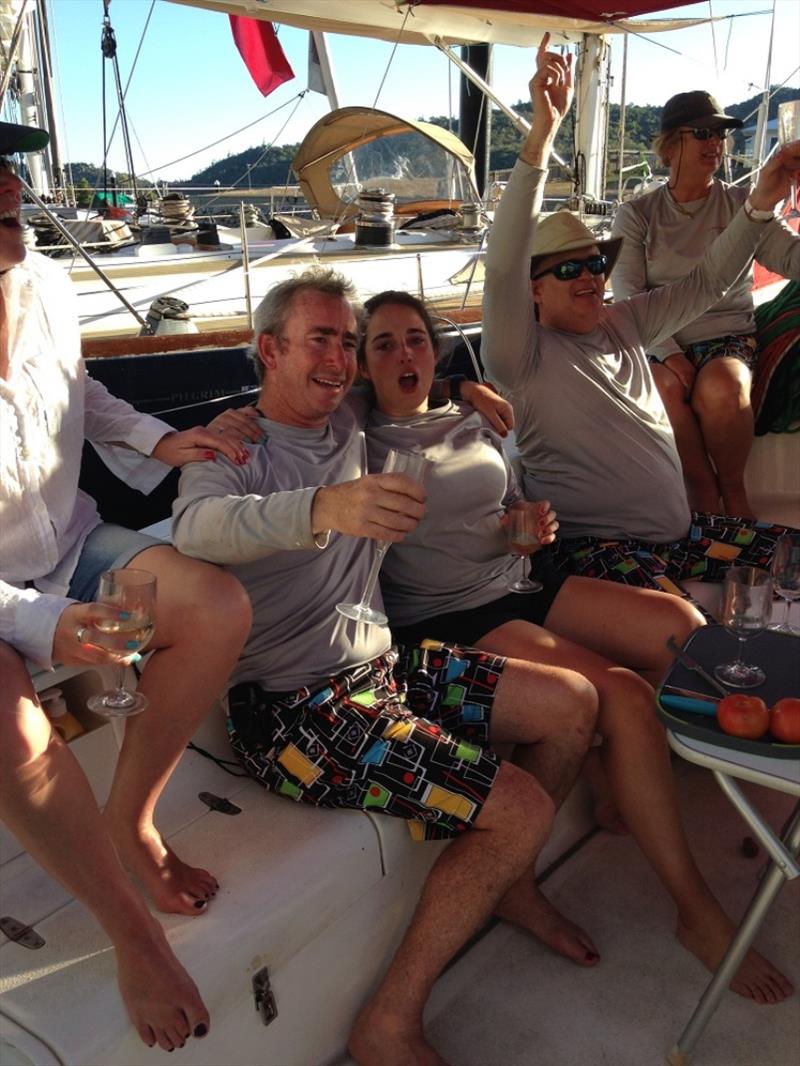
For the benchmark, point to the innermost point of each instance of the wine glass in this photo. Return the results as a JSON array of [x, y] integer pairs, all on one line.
[[785, 572], [132, 592], [522, 540], [414, 464], [789, 131], [746, 607]]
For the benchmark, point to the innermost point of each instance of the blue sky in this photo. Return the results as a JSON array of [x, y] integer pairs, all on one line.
[[190, 87]]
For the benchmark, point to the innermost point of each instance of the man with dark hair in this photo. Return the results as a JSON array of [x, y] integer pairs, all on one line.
[[54, 548], [323, 719]]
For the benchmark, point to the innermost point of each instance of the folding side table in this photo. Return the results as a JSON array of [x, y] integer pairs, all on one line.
[[698, 739]]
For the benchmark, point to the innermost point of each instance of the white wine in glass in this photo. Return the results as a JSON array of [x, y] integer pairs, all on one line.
[[788, 132], [746, 607], [785, 572], [523, 541], [414, 465], [132, 592]]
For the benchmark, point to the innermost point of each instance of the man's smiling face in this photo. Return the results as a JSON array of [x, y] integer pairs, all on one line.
[[12, 248], [311, 365], [572, 306]]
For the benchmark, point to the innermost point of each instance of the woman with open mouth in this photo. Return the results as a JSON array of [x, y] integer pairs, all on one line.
[[448, 581]]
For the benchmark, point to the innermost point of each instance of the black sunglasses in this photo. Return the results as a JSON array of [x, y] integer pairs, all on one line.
[[571, 269], [706, 133]]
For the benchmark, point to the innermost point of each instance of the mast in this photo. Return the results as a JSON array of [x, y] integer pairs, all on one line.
[[475, 114], [29, 105], [591, 95], [46, 81]]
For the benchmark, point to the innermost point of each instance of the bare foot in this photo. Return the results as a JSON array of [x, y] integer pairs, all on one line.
[[173, 885], [380, 1039], [162, 999], [526, 907], [756, 978]]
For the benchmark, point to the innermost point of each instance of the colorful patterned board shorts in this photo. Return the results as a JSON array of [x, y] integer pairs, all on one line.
[[712, 544], [741, 346], [405, 735]]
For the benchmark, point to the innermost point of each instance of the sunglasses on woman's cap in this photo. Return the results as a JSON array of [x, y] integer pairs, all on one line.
[[571, 269], [706, 133]]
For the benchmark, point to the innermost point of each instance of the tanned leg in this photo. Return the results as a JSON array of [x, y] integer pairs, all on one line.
[[549, 714], [702, 487], [47, 803], [461, 891], [721, 400], [202, 621], [636, 760]]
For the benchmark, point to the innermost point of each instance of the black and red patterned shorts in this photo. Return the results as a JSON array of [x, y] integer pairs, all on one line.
[[405, 735]]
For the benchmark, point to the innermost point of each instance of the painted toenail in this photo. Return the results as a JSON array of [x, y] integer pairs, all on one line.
[[199, 903], [201, 1029]]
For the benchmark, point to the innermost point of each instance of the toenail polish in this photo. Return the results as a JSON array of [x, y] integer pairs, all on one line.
[[199, 903], [200, 1029]]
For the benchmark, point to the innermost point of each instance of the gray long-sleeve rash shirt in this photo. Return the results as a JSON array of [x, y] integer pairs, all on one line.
[[593, 434], [661, 245], [256, 519], [457, 557]]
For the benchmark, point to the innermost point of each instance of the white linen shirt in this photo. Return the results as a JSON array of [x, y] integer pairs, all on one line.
[[48, 404]]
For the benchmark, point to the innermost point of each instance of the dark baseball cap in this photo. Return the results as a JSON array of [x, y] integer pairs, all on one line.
[[698, 110], [14, 138]]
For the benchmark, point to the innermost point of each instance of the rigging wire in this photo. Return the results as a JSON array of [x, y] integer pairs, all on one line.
[[261, 118], [391, 57], [713, 38]]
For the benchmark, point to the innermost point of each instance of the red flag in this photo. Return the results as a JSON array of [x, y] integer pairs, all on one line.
[[261, 51]]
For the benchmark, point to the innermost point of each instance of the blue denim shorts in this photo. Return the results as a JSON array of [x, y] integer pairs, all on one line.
[[108, 547]]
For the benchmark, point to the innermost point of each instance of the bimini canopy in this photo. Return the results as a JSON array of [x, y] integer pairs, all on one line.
[[517, 22], [419, 162]]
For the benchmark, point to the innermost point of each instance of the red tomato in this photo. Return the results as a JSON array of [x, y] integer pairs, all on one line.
[[784, 720], [743, 716]]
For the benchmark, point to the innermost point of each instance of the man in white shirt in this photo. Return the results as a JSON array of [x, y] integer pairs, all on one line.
[[52, 551]]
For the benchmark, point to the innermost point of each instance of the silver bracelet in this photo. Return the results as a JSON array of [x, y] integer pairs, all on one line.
[[755, 215]]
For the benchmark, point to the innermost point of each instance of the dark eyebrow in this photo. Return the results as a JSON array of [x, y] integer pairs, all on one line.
[[388, 333], [329, 331]]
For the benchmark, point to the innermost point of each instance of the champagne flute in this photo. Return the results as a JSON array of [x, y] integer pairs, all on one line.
[[132, 592], [414, 464], [785, 572], [789, 131], [522, 541], [746, 607]]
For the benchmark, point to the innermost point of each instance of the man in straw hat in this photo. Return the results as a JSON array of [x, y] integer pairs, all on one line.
[[592, 431], [53, 549]]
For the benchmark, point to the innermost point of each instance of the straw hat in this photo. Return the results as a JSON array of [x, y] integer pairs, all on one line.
[[564, 232]]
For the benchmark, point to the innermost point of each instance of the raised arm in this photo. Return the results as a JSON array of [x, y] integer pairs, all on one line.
[[779, 251], [507, 297]]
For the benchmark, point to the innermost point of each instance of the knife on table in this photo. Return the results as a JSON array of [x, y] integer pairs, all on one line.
[[692, 664]]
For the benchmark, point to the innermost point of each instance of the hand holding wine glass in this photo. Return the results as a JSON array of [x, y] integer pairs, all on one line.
[[522, 521], [785, 572], [133, 593], [746, 607], [414, 465]]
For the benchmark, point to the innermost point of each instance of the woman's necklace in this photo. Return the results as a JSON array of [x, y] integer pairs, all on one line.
[[684, 210]]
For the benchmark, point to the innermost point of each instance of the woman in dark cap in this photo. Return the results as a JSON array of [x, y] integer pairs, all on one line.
[[704, 371]]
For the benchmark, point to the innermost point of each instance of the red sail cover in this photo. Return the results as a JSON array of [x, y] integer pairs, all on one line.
[[591, 10], [261, 51]]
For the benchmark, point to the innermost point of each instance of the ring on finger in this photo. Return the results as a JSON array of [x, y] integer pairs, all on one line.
[[82, 634]]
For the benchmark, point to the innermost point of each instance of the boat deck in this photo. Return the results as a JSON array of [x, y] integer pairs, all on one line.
[[511, 1001]]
